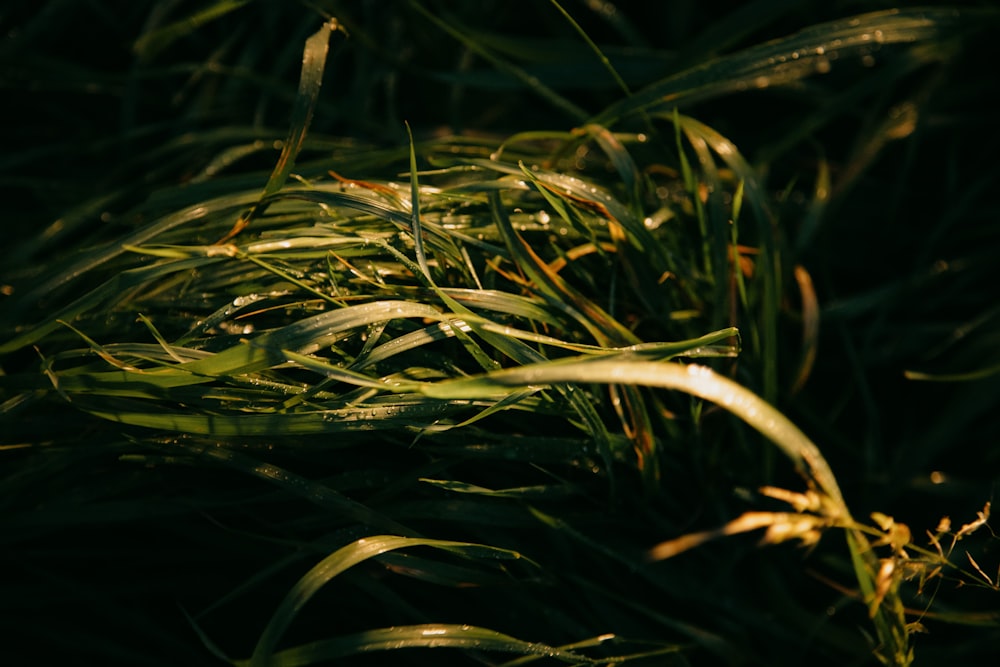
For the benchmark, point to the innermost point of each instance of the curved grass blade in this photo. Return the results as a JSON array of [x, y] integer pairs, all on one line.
[[693, 379], [343, 559], [800, 55], [431, 635]]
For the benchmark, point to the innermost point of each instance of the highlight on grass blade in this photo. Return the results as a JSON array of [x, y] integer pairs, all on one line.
[[694, 379], [427, 635]]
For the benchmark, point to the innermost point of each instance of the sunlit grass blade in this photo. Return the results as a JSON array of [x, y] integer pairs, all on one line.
[[696, 380], [432, 635], [304, 337], [338, 562], [801, 55]]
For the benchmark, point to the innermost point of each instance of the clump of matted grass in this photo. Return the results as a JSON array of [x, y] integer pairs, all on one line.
[[471, 389]]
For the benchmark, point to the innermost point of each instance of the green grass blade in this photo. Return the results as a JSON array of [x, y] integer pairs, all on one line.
[[431, 635], [311, 79], [336, 563], [155, 41], [800, 55], [768, 260], [696, 380], [316, 493], [556, 100], [593, 47], [416, 230], [303, 337]]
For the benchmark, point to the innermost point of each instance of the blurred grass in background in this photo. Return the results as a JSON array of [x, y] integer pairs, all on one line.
[[619, 188]]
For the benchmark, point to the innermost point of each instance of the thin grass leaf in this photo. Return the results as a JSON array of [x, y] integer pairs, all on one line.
[[505, 66], [153, 42], [416, 231], [339, 561], [801, 55], [525, 492], [593, 47], [315, 492], [374, 414], [416, 636], [313, 65]]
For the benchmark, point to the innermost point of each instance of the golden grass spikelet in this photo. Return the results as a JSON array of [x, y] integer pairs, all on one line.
[[971, 527], [781, 527]]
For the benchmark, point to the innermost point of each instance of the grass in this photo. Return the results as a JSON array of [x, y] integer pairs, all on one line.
[[520, 378]]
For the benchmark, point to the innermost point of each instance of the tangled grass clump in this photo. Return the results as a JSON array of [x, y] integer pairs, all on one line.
[[483, 393]]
